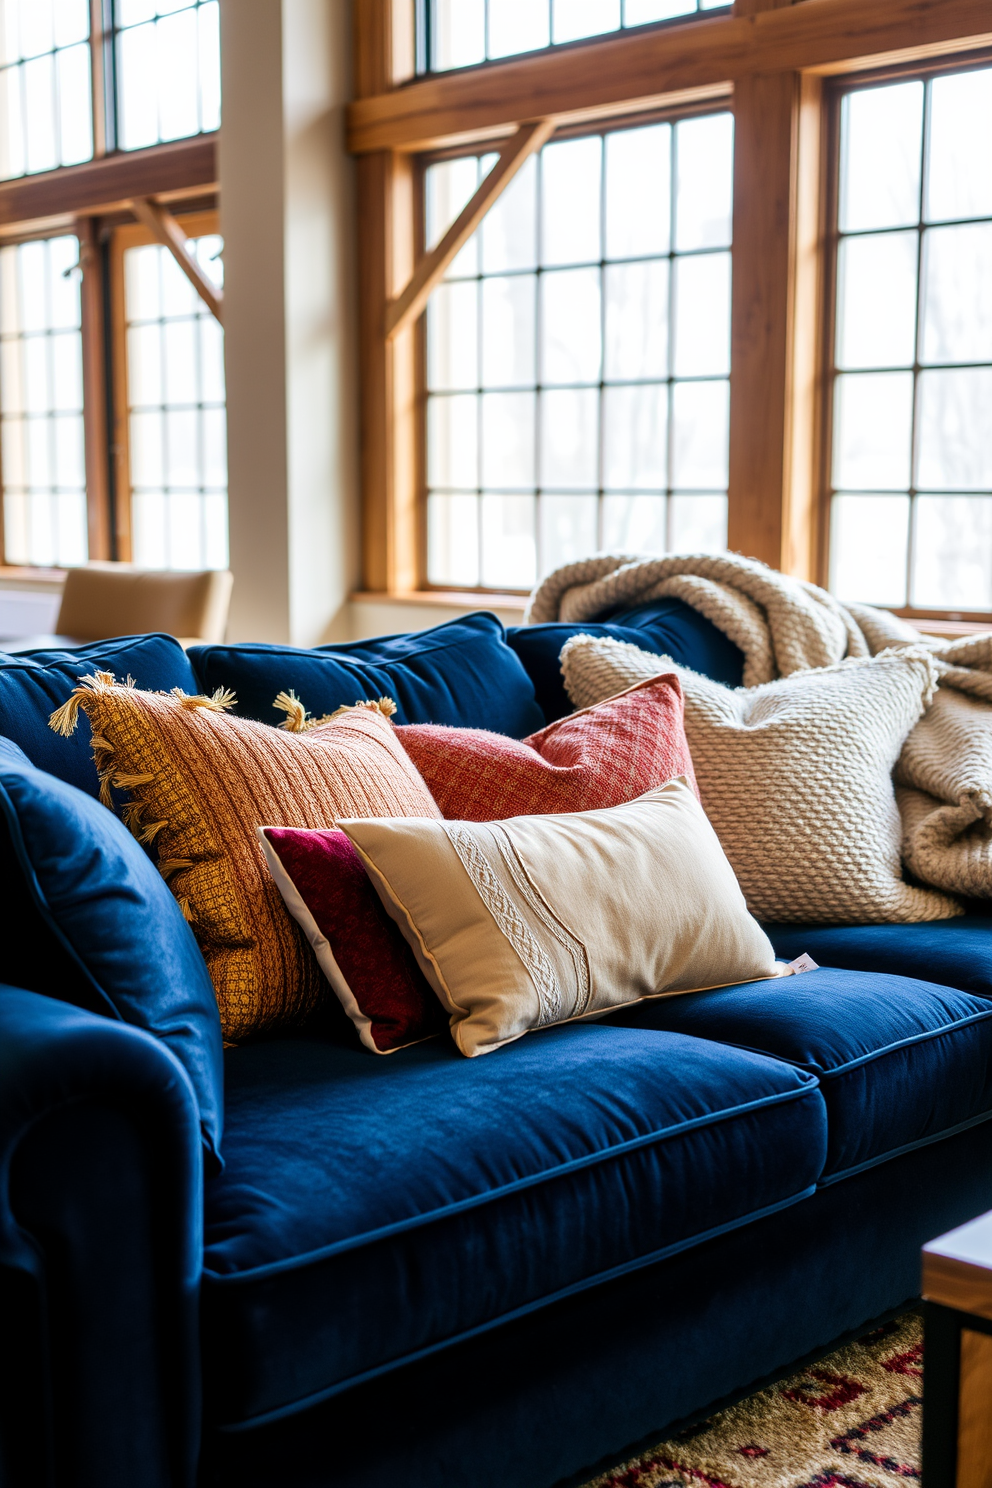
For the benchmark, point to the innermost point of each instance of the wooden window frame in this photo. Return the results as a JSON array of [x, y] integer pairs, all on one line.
[[92, 200], [777, 57]]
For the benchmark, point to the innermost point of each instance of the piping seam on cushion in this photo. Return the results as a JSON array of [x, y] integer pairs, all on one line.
[[599, 1279], [873, 1162], [476, 1201]]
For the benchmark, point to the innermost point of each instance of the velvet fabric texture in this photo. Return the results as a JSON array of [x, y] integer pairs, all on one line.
[[956, 953], [602, 756], [371, 1209], [667, 626], [461, 673], [564, 1392], [34, 684], [901, 1062], [110, 922], [358, 948]]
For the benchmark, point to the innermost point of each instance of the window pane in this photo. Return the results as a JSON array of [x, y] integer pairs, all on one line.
[[452, 539], [509, 229], [41, 421], [637, 319], [698, 523], [459, 33], [570, 189], [638, 191], [704, 153], [953, 553], [955, 433], [570, 327], [453, 441], [959, 182], [635, 438], [702, 315], [177, 420], [507, 440], [881, 138], [517, 26], [509, 549], [634, 524], [508, 328], [873, 420], [869, 539], [569, 439], [700, 426], [957, 294], [448, 186], [572, 19], [876, 301], [168, 71], [567, 529], [452, 337]]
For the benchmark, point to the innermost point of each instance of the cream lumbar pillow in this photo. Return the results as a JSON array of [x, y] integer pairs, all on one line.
[[538, 920], [796, 776]]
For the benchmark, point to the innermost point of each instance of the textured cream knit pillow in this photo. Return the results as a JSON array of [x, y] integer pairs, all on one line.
[[796, 776], [542, 919]]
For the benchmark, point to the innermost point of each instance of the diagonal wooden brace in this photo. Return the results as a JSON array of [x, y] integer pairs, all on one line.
[[166, 230], [404, 310]]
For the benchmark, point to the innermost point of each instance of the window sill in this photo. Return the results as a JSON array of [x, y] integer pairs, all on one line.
[[462, 599], [22, 575]]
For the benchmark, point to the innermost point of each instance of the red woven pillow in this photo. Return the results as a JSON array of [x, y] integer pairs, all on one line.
[[602, 756], [358, 948]]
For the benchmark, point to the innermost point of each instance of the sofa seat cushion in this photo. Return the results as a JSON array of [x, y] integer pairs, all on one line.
[[955, 953], [461, 673], [372, 1210], [901, 1062]]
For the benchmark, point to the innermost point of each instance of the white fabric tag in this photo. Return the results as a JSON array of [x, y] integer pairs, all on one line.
[[804, 962]]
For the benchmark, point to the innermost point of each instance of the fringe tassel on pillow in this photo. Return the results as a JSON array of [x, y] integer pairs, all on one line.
[[299, 721]]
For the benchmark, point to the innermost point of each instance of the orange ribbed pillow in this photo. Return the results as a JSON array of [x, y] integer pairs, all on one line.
[[199, 784]]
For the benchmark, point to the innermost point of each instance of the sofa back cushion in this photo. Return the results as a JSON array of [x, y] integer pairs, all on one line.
[[34, 684], [97, 927], [668, 626], [461, 673]]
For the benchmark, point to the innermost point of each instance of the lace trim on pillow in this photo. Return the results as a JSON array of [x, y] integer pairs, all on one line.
[[507, 918], [570, 944]]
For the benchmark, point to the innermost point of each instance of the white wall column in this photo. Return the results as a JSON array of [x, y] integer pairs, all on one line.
[[287, 216]]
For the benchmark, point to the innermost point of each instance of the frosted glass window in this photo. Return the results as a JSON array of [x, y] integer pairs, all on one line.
[[461, 33], [41, 404], [578, 355], [176, 411], [168, 70], [911, 465], [46, 117]]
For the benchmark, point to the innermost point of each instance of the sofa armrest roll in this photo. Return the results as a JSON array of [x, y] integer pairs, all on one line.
[[101, 1201]]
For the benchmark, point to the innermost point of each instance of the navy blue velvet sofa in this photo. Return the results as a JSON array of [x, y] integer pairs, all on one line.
[[426, 1270]]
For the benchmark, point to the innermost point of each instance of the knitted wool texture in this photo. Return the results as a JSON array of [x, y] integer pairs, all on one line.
[[601, 757], [784, 625], [200, 783], [795, 776]]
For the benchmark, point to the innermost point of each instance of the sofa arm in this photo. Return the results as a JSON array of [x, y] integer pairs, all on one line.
[[100, 1252]]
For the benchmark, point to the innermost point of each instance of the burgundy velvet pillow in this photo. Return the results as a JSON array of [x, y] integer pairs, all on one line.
[[358, 948]]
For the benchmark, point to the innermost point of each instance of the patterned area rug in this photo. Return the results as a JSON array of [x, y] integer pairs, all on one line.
[[851, 1421]]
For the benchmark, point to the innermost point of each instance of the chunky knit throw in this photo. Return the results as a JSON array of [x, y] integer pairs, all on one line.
[[784, 625]]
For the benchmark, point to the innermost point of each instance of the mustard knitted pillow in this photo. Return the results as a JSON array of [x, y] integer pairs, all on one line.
[[199, 783], [796, 776]]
